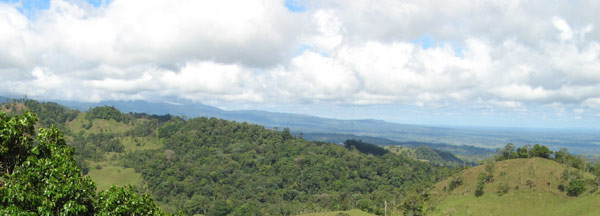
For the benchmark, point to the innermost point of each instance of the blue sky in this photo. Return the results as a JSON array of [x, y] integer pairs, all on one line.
[[295, 5], [468, 64], [30, 7]]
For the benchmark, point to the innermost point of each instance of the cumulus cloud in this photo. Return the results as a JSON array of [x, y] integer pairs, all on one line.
[[504, 54]]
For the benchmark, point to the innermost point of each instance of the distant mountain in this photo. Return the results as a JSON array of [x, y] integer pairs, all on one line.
[[578, 141], [295, 122]]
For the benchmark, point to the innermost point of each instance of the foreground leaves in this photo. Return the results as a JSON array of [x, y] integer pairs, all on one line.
[[48, 181]]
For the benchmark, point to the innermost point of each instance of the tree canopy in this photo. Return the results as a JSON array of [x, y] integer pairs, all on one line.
[[41, 176]]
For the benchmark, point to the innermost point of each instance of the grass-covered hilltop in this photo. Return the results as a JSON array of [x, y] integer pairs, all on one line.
[[59, 161], [521, 183]]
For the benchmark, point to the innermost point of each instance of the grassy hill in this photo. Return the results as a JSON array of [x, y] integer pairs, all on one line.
[[532, 190]]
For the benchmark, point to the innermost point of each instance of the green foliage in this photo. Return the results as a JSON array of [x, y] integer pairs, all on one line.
[[247, 209], [481, 178], [456, 181], [124, 201], [489, 171], [543, 199], [219, 208], [93, 146], [169, 129], [211, 162], [107, 113], [436, 156], [525, 151], [221, 162], [15, 139], [143, 129], [51, 113], [540, 151], [366, 148], [48, 181], [562, 155], [413, 205], [576, 186], [508, 152]]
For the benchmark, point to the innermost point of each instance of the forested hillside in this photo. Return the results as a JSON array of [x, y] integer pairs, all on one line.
[[210, 164], [218, 167], [469, 153]]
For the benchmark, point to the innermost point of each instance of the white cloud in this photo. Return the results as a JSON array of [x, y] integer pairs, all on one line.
[[564, 28], [503, 54]]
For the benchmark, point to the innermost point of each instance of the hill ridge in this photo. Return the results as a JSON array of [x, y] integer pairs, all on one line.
[[529, 180]]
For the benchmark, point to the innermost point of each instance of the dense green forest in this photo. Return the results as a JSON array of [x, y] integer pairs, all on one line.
[[208, 164], [217, 167]]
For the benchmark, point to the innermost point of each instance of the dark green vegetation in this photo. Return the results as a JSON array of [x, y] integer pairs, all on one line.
[[445, 153], [579, 141], [433, 156], [366, 148], [208, 163], [218, 167], [41, 177]]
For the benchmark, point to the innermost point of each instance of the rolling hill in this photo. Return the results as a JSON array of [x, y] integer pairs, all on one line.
[[520, 187], [577, 140]]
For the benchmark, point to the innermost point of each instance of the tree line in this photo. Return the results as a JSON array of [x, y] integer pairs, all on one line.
[[572, 179]]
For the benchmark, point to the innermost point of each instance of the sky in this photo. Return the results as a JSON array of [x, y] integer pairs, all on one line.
[[497, 63]]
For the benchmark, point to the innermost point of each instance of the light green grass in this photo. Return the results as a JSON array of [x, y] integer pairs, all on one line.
[[353, 212], [98, 125], [113, 175], [519, 203], [542, 199]]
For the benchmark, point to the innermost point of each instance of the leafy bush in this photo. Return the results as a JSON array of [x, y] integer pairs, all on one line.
[[576, 186], [49, 182]]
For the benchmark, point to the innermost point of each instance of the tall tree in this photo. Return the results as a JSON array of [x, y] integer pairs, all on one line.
[[45, 179], [15, 139]]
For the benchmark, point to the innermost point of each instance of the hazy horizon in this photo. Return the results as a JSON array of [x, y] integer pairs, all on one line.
[[509, 64]]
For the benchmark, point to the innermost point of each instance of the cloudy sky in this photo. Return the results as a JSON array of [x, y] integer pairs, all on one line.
[[514, 63]]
